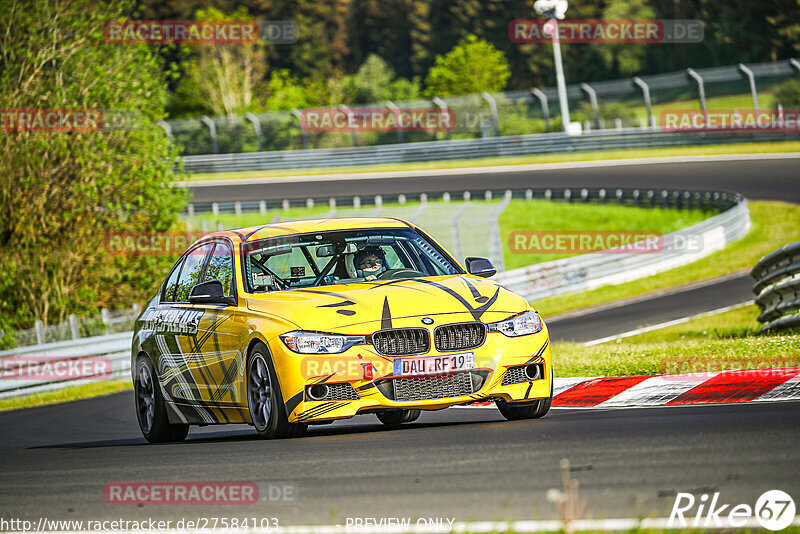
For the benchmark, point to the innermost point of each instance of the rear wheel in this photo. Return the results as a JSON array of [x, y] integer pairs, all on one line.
[[398, 417], [264, 399], [151, 411], [514, 411]]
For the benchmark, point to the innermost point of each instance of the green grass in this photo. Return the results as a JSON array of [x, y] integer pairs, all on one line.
[[720, 342], [774, 224], [545, 215], [744, 148], [67, 394]]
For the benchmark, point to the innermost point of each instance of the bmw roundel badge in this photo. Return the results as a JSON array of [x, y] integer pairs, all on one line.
[[427, 320]]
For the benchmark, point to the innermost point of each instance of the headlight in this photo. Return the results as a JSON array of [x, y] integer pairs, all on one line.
[[521, 325], [319, 343]]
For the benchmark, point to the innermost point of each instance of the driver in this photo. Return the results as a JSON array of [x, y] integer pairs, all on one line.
[[370, 262]]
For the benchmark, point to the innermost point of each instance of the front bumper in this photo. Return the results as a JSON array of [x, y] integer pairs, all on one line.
[[361, 381]]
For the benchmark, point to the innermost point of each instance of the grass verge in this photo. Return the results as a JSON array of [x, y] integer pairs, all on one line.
[[716, 343], [774, 224], [743, 148], [84, 391]]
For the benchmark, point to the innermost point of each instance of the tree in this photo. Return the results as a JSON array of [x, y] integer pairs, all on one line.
[[471, 67], [625, 59], [226, 75], [62, 192]]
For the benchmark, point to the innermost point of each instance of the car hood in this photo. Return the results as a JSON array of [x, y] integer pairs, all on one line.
[[362, 308]]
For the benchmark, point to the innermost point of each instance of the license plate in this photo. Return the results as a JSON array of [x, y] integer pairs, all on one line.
[[434, 365]]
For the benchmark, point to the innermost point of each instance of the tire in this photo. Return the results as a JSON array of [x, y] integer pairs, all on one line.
[[151, 411], [264, 399], [398, 417], [534, 410]]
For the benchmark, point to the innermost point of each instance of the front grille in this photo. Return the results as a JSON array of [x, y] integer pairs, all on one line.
[[459, 336], [402, 341], [517, 375], [433, 387], [339, 392]]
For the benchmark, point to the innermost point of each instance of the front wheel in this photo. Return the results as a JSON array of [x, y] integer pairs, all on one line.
[[398, 417], [264, 399], [534, 410], [151, 411]]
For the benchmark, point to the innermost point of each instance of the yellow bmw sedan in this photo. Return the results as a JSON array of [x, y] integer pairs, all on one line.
[[292, 324]]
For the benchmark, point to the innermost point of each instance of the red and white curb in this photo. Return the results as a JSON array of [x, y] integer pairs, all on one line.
[[748, 385]]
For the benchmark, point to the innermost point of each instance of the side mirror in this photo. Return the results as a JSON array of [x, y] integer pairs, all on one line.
[[210, 292], [480, 267]]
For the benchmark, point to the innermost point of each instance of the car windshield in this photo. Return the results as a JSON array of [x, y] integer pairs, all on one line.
[[341, 257]]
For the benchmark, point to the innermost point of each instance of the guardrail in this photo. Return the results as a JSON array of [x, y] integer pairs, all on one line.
[[512, 145], [578, 273], [777, 288]]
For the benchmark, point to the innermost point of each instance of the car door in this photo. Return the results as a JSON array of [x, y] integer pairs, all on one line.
[[220, 340]]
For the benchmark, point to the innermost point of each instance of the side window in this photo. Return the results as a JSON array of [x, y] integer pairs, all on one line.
[[169, 287], [220, 267], [191, 272]]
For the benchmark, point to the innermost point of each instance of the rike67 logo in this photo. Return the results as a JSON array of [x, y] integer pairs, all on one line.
[[774, 510]]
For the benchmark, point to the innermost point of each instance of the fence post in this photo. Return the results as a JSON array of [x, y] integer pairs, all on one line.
[[493, 107], [701, 91], [237, 207], [215, 208], [73, 326], [299, 116], [262, 207], [794, 63], [752, 79], [396, 110], [167, 128], [443, 106], [212, 129], [256, 126], [347, 111], [39, 327], [538, 93], [105, 316], [593, 99], [357, 202], [648, 104]]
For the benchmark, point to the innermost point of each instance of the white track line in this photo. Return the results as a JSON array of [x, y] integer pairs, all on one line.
[[666, 324], [485, 170]]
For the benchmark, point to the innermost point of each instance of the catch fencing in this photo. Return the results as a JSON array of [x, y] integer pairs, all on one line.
[[601, 106], [777, 288]]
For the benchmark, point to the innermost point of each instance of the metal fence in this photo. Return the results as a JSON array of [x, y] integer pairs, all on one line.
[[75, 327], [551, 278], [777, 288], [520, 145], [598, 105]]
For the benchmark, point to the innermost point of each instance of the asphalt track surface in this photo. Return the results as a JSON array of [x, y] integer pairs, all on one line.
[[770, 179], [459, 463], [462, 463]]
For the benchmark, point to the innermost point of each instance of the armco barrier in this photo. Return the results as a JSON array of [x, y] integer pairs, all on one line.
[[578, 273], [777, 288], [516, 145]]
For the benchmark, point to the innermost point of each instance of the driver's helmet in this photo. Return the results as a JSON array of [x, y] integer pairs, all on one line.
[[370, 261]]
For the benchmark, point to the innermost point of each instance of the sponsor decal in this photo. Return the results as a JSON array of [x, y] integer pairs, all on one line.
[[176, 321]]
